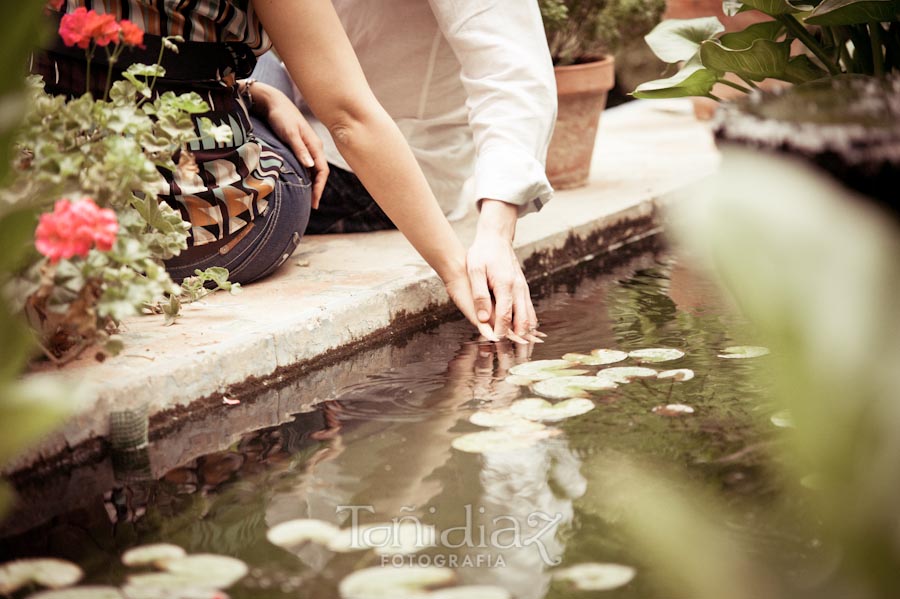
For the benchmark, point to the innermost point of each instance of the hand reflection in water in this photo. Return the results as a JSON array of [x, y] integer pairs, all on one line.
[[403, 465]]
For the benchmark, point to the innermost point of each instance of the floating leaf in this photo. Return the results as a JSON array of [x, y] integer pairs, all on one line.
[[498, 441], [519, 380], [46, 572], [208, 570], [474, 591], [504, 419], [737, 352], [571, 386], [656, 354], [87, 592], [679, 374], [297, 532], [673, 409], [533, 408], [782, 419], [626, 374], [597, 357], [529, 369], [596, 577], [405, 538], [155, 583], [391, 583], [152, 554]]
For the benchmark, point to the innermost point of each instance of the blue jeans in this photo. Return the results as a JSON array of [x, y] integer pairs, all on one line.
[[262, 246]]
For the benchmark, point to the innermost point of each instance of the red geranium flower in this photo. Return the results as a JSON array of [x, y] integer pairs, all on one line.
[[131, 33], [73, 227], [103, 28], [73, 28]]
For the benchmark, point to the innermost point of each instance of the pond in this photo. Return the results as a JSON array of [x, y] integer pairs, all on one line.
[[384, 445]]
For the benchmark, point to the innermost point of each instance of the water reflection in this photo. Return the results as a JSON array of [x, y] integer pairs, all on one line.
[[377, 443]]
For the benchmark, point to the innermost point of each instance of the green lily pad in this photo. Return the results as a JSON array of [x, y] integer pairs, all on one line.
[[626, 374], [208, 570], [498, 441], [534, 408], [782, 419], [391, 583], [147, 555], [504, 419], [597, 357], [297, 532], [473, 591], [656, 354], [673, 409], [678, 374], [86, 592], [46, 572], [150, 583], [595, 576], [519, 380], [740, 352], [565, 387], [538, 367]]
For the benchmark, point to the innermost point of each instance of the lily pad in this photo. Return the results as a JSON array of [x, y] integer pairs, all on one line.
[[595, 576], [518, 380], [473, 591], [156, 553], [538, 368], [782, 419], [739, 352], [678, 374], [656, 354], [626, 374], [498, 441], [571, 386], [87, 592], [534, 408], [208, 570], [297, 532], [673, 409], [390, 583], [46, 572], [504, 419], [598, 357]]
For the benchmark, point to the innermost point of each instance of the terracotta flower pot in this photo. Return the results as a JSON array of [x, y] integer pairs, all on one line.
[[582, 91]]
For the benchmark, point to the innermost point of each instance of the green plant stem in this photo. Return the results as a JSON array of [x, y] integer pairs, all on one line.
[[875, 32], [799, 31], [89, 55], [714, 97], [736, 86]]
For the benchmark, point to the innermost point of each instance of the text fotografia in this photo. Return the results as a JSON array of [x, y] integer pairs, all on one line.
[[479, 545]]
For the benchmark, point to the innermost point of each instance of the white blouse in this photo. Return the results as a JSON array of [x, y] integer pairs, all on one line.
[[471, 86]]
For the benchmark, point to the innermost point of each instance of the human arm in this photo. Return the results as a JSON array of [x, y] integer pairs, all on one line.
[[288, 123], [509, 82], [318, 56]]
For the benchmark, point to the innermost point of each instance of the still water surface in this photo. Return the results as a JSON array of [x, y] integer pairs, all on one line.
[[380, 448]]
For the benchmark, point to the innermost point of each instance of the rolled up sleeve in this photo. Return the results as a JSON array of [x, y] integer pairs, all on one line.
[[508, 77]]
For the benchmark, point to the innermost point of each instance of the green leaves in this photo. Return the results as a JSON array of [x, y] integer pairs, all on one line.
[[854, 12], [677, 40], [692, 80], [775, 7], [763, 59]]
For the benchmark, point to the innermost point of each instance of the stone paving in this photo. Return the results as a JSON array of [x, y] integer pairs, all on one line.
[[344, 290]]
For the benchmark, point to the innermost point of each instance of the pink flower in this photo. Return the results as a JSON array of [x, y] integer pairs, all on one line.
[[132, 35], [73, 227], [73, 28], [103, 28]]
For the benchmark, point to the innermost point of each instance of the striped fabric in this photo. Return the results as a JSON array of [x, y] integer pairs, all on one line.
[[233, 180]]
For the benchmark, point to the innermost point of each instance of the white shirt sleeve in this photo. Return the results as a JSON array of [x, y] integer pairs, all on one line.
[[508, 77]]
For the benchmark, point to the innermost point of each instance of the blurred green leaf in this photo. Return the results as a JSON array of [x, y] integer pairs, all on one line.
[[16, 232], [29, 410]]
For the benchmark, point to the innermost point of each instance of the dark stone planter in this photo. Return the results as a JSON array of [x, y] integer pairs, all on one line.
[[849, 126]]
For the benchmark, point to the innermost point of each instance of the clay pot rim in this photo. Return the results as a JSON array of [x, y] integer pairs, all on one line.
[[585, 66]]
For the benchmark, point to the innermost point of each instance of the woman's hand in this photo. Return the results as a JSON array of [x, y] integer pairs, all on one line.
[[460, 291], [288, 123]]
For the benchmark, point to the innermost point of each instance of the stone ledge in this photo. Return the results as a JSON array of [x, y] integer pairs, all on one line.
[[340, 291]]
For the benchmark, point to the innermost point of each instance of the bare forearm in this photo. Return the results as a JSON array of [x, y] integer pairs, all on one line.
[[498, 218]]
